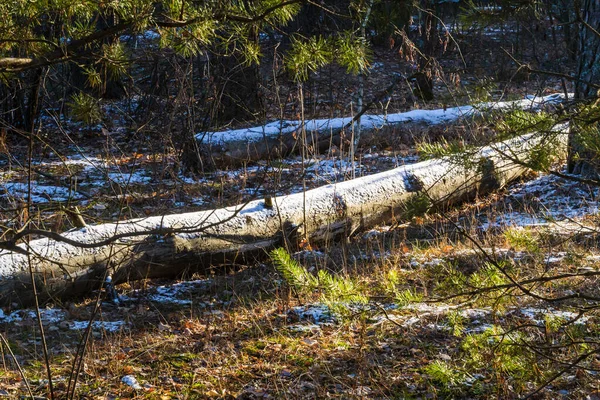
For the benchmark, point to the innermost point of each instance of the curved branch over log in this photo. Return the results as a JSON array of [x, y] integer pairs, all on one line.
[[171, 245]]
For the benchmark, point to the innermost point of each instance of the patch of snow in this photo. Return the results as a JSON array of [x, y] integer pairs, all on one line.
[[52, 316], [188, 179], [470, 380], [361, 391], [151, 35], [137, 177], [593, 258], [197, 202], [376, 232], [331, 168], [377, 65], [39, 193], [434, 262], [373, 255], [304, 253], [14, 316], [475, 315], [411, 321], [537, 315], [49, 315], [172, 294], [423, 261], [557, 199], [478, 328], [109, 326], [77, 160], [427, 308], [131, 381], [160, 298], [555, 258], [304, 328], [317, 313]]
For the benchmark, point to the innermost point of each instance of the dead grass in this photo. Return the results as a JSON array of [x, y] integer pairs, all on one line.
[[239, 336]]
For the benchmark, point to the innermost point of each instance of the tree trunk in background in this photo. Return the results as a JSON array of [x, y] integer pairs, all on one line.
[[589, 50], [361, 83], [313, 19], [565, 16], [13, 104], [581, 160], [430, 40], [237, 96]]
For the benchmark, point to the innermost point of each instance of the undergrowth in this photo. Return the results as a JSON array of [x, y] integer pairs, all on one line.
[[389, 314]]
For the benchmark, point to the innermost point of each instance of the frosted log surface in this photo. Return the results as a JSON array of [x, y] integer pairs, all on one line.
[[280, 137], [170, 245]]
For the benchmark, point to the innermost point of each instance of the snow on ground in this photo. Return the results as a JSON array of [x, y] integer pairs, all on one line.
[[89, 176], [317, 313], [313, 316], [309, 317], [85, 177], [132, 178], [178, 293], [49, 315], [132, 382], [109, 326], [539, 315], [39, 193], [54, 317], [147, 35], [97, 171], [547, 198], [86, 171]]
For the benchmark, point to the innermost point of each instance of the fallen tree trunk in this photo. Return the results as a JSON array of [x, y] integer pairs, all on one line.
[[167, 246], [280, 138]]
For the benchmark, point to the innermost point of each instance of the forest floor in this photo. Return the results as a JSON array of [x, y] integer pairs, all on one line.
[[243, 333]]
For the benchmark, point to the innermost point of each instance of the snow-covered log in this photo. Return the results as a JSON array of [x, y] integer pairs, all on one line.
[[172, 245], [279, 138]]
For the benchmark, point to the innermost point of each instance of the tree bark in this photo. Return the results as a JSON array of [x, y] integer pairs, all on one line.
[[361, 82], [589, 49], [175, 245], [581, 160], [430, 40]]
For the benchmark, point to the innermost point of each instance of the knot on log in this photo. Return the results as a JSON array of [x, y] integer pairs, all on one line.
[[490, 179], [340, 206], [290, 235], [413, 183]]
